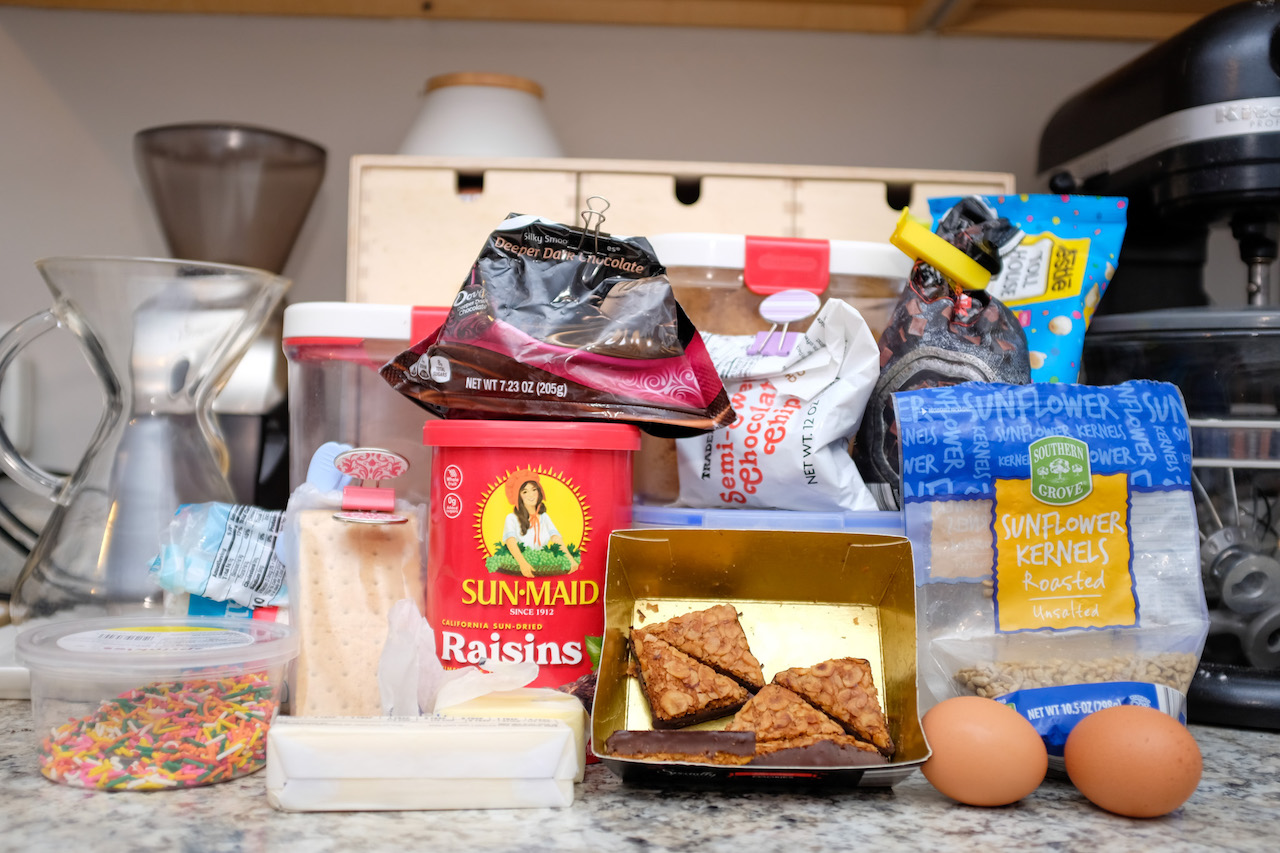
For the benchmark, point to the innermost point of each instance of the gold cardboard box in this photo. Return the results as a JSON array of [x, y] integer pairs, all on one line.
[[803, 597]]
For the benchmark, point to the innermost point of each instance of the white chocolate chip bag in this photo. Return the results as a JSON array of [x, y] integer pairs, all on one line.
[[1054, 535], [1054, 278]]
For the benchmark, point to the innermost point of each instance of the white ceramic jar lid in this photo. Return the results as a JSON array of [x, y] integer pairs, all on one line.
[[481, 114]]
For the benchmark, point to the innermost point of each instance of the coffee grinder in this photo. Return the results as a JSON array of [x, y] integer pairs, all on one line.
[[238, 194], [1189, 132]]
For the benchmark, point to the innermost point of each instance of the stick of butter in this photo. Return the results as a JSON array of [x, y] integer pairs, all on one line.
[[419, 763], [526, 703]]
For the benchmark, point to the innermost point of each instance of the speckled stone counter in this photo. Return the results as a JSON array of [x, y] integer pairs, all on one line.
[[1237, 807]]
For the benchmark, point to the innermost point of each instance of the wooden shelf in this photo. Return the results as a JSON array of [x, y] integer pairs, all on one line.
[[1103, 19], [1108, 19]]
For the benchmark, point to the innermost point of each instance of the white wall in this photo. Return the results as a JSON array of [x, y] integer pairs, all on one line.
[[76, 86]]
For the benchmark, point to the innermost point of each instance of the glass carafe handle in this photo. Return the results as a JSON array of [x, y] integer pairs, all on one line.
[[18, 467]]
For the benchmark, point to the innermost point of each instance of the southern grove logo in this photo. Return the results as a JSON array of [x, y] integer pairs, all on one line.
[[1060, 470]]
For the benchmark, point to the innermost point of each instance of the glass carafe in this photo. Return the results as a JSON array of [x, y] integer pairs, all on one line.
[[162, 337]]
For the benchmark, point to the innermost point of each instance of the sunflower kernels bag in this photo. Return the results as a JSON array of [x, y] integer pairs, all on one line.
[[1054, 534]]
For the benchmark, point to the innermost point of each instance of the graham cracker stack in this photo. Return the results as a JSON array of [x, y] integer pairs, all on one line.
[[349, 575]]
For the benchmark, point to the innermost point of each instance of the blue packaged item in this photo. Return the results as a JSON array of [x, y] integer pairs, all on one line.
[[1055, 277], [223, 553], [1053, 532]]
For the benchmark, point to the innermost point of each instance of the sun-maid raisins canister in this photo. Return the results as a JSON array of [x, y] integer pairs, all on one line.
[[521, 513]]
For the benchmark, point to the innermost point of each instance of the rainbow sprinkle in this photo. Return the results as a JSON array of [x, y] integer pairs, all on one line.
[[176, 734]]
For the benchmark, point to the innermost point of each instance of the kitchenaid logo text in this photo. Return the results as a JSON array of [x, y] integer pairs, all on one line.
[[1255, 115]]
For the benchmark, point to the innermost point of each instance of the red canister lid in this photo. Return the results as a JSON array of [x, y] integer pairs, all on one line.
[[559, 435]]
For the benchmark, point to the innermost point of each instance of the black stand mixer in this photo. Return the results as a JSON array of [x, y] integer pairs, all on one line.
[[1190, 133]]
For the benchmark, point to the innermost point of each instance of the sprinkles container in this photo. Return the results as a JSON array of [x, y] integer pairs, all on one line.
[[137, 703]]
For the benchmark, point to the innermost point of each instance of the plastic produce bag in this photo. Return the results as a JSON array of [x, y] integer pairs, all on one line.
[[223, 552], [1055, 542], [412, 681]]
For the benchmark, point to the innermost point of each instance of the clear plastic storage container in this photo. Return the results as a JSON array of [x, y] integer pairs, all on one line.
[[720, 281], [137, 703], [335, 350]]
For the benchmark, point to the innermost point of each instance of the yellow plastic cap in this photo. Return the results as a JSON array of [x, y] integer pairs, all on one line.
[[923, 245]]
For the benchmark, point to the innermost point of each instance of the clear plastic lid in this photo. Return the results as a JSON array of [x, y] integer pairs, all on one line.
[[729, 251], [346, 320], [307, 321], [888, 523], [155, 646]]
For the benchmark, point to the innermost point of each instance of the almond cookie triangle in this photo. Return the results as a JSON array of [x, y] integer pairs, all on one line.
[[680, 690], [775, 713], [715, 637], [843, 689]]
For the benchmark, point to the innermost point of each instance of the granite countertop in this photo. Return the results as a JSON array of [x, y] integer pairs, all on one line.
[[1235, 808]]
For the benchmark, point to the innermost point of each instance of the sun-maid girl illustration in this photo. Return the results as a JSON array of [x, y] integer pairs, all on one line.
[[529, 524]]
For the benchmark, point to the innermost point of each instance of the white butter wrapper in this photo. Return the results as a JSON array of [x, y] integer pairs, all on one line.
[[530, 703], [419, 763]]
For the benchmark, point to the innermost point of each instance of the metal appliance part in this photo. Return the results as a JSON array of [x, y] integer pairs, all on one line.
[[1189, 132]]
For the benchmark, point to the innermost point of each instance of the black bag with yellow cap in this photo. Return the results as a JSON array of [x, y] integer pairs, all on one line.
[[945, 329]]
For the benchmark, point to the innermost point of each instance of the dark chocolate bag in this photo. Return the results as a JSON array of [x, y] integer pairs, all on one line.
[[942, 334], [562, 323]]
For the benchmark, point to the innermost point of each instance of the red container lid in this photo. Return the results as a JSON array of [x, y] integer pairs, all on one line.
[[557, 435]]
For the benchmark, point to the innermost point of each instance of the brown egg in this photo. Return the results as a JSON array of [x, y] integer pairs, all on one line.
[[983, 752], [1132, 760]]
